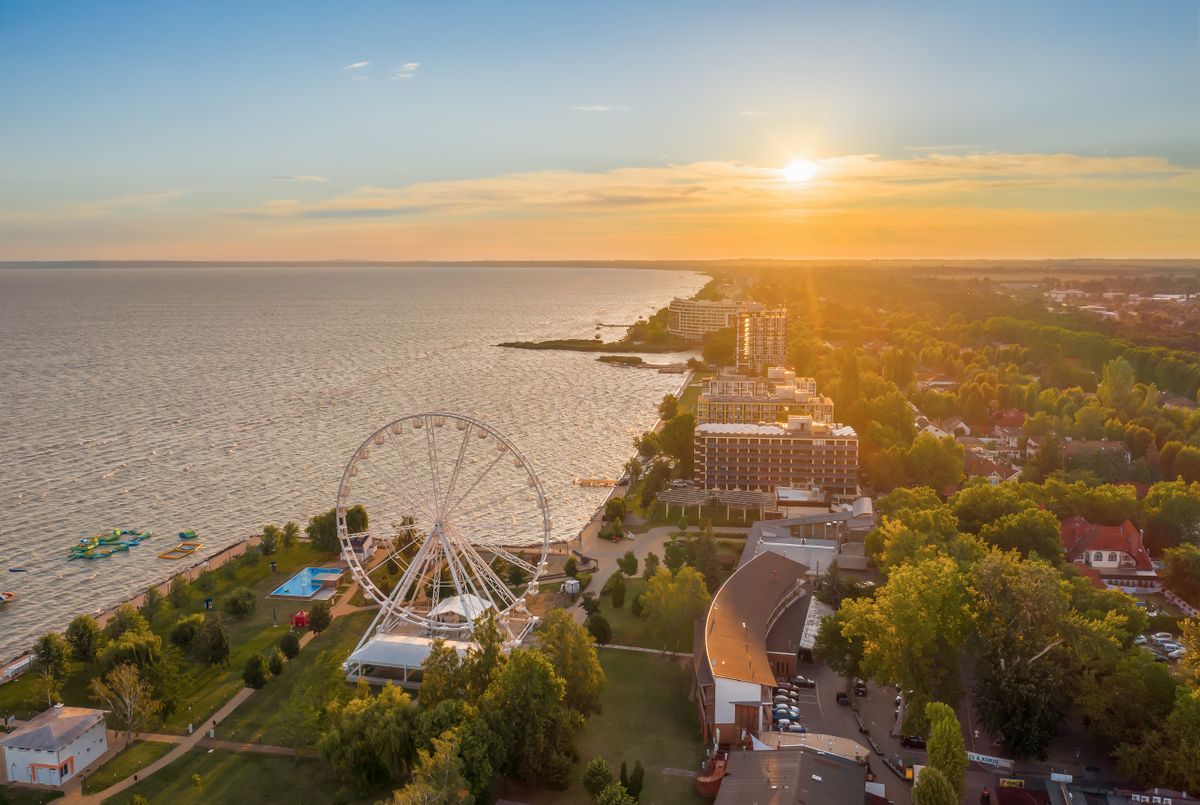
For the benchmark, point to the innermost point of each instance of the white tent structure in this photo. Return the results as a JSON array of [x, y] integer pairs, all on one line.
[[467, 607], [395, 658]]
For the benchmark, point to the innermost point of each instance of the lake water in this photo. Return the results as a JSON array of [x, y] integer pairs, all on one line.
[[220, 399]]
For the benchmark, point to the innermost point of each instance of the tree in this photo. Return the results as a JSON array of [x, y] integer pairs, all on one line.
[[269, 540], [570, 567], [186, 630], [677, 439], [614, 794], [615, 508], [672, 603], [289, 644], [597, 776], [212, 644], [439, 777], [254, 674], [832, 647], [240, 603], [933, 788], [1127, 701], [275, 662], [706, 559], [485, 660], [628, 564], [304, 712], [179, 593], [322, 528], [1187, 464], [636, 780], [570, 650], [52, 655], [675, 554], [668, 408], [128, 698], [589, 603], [1116, 386], [523, 707], [84, 636], [320, 615], [1172, 510], [289, 535], [618, 591], [1033, 531], [719, 347], [649, 565], [1181, 572], [46, 687], [945, 746], [152, 601], [599, 628], [371, 739], [125, 619], [934, 462], [442, 677], [913, 632]]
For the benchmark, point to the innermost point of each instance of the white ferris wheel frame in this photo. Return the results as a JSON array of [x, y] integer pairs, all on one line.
[[445, 544]]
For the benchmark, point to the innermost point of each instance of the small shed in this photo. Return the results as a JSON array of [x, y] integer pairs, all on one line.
[[54, 746]]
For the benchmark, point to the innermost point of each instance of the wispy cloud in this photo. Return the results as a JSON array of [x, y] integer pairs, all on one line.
[[406, 70], [599, 107], [300, 178], [939, 149], [358, 65]]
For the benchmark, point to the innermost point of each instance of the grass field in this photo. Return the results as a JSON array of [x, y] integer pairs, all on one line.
[[10, 795], [136, 757], [257, 720], [647, 717], [240, 777], [629, 629], [203, 689]]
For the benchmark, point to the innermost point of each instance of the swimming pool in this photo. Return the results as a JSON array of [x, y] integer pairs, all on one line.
[[310, 581]]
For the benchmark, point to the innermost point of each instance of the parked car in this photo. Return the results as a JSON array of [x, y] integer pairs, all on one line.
[[804, 682], [782, 723], [842, 698], [793, 727], [1177, 653], [1158, 636], [1140, 640], [912, 741]]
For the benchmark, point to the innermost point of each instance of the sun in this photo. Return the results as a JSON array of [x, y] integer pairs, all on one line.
[[799, 170]]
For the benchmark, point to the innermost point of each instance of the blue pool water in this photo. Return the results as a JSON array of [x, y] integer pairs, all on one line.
[[307, 582]]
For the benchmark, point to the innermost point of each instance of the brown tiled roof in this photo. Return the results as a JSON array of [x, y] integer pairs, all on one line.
[[735, 631]]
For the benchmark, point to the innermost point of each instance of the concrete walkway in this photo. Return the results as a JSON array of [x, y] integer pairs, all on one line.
[[641, 650]]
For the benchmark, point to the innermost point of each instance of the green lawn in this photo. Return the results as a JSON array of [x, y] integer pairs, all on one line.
[[11, 795], [239, 777], [257, 720], [647, 717], [136, 757], [629, 629], [204, 689]]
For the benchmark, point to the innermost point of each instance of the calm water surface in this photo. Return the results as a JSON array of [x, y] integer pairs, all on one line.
[[221, 399]]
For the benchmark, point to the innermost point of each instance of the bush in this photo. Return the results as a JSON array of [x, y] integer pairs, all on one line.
[[152, 602], [1163, 623], [179, 592], [275, 662], [589, 603], [584, 580], [255, 672], [618, 593], [612, 582], [212, 644], [240, 603], [571, 567], [599, 628], [320, 616], [229, 570], [635, 606], [636, 780], [187, 629], [628, 563], [597, 776], [206, 582], [289, 644]]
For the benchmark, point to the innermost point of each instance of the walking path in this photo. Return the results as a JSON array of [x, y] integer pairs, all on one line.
[[663, 652], [73, 791]]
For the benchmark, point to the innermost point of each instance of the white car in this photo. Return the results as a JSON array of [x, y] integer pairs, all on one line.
[[1140, 640], [1158, 637], [1177, 653]]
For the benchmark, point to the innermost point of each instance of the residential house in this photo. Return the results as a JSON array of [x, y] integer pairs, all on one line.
[[55, 745], [1117, 553]]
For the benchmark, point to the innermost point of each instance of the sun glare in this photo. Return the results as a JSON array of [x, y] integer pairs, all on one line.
[[800, 170]]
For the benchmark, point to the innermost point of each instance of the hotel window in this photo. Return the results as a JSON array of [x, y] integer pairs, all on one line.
[[1112, 557], [1099, 557]]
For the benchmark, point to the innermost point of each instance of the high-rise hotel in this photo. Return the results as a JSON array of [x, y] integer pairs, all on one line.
[[761, 338]]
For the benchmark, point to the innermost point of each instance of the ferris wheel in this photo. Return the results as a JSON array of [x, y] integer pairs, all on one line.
[[456, 524]]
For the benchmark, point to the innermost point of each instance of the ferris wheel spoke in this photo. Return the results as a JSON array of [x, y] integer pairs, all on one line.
[[416, 474], [489, 578], [414, 573], [512, 559], [387, 479], [454, 507], [462, 450], [431, 447]]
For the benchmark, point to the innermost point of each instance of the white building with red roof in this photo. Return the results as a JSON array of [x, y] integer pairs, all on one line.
[[1115, 552]]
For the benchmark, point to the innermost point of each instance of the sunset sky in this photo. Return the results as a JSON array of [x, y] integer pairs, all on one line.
[[402, 130]]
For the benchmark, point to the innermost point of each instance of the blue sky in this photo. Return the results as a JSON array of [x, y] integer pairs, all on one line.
[[205, 102]]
